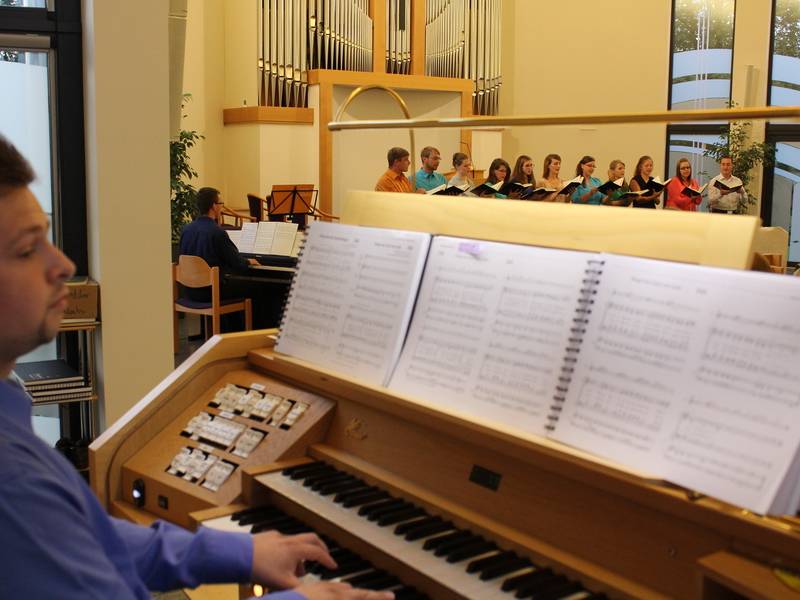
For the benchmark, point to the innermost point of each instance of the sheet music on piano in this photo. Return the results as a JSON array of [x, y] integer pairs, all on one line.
[[693, 372], [488, 329], [265, 237], [352, 297]]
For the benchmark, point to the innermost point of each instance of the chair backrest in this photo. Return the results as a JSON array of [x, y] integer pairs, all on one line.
[[194, 272], [256, 205]]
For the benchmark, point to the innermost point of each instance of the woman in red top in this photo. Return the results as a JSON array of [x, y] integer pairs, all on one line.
[[676, 199]]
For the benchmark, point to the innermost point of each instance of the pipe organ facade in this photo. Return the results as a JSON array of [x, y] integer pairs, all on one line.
[[461, 41]]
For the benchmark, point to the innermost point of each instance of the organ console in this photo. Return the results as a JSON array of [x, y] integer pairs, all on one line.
[[427, 502]]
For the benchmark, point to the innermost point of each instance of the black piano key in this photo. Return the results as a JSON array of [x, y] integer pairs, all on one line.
[[597, 596], [291, 470], [378, 513], [367, 509], [409, 593], [513, 583], [424, 531], [434, 543], [404, 528], [559, 591], [470, 551], [531, 588], [321, 475], [366, 498], [317, 481], [340, 486], [243, 514], [389, 581], [273, 523], [302, 471], [362, 580], [347, 569], [445, 548], [480, 564], [400, 515], [346, 495], [504, 568], [256, 516], [294, 529]]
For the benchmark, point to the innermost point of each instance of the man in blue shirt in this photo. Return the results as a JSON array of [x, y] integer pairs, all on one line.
[[427, 178], [57, 541]]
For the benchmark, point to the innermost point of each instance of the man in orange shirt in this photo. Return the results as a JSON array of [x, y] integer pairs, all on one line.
[[394, 180]]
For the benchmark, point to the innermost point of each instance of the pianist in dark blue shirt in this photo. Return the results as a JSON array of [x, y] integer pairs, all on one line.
[[204, 238]]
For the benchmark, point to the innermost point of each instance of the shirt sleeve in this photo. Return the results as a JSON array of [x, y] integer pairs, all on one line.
[[229, 254], [168, 557]]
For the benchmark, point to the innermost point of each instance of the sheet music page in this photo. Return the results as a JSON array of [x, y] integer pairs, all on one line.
[[299, 238], [264, 237], [283, 241], [236, 237], [352, 298], [248, 239], [488, 334], [692, 373]]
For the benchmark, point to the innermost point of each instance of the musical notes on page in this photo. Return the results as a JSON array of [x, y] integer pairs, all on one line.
[[490, 328], [352, 298]]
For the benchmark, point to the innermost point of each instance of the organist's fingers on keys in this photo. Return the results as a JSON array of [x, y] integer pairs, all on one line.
[[279, 560], [461, 563]]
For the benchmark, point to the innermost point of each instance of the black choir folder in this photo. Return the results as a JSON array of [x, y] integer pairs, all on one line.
[[683, 372]]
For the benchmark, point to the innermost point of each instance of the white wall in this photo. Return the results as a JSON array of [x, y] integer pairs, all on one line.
[[126, 90], [359, 157]]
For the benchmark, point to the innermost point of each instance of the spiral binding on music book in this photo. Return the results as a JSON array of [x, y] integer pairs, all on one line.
[[290, 293], [594, 269]]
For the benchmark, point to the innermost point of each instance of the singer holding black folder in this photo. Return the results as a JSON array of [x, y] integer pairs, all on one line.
[[726, 191], [677, 198], [587, 192], [499, 171], [462, 165], [551, 179], [643, 181]]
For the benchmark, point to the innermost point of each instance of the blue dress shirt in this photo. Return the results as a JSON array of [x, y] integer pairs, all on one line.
[[428, 181], [58, 542], [204, 238]]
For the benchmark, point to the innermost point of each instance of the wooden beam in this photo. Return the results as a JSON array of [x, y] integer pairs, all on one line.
[[325, 148], [267, 114], [377, 10], [418, 37]]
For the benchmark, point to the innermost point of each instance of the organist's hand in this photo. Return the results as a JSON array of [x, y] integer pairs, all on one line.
[[339, 591], [278, 559]]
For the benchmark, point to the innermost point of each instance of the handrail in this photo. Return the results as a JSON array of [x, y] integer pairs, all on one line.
[[663, 116]]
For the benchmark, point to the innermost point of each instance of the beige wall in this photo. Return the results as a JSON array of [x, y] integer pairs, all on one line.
[[127, 129], [588, 66]]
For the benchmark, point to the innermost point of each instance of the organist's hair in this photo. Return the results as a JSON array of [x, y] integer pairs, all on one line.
[[15, 170]]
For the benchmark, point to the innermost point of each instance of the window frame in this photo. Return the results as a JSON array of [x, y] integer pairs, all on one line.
[[61, 25]]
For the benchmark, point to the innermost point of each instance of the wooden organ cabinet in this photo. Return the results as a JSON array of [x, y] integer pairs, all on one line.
[[599, 531]]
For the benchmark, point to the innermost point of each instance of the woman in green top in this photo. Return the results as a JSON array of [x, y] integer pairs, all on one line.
[[616, 170]]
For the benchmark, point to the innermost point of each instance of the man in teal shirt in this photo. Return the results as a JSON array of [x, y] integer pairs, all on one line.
[[427, 178]]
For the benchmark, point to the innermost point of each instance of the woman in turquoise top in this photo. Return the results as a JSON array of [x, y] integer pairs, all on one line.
[[587, 192]]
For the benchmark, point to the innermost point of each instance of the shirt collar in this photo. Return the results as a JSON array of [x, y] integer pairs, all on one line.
[[16, 404]]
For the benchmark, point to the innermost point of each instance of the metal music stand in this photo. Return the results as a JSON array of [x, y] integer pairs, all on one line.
[[296, 202]]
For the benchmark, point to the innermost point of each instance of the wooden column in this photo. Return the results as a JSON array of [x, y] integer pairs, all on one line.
[[326, 146], [377, 10], [417, 37]]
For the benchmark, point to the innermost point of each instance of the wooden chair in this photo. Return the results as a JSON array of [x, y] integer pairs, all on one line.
[[194, 272], [238, 218], [257, 206]]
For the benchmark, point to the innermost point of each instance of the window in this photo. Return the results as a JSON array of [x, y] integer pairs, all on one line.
[[702, 53], [784, 87]]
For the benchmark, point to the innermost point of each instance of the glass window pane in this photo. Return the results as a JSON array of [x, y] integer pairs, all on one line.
[[25, 120], [702, 53], [691, 146], [24, 3], [785, 82], [786, 194], [25, 113]]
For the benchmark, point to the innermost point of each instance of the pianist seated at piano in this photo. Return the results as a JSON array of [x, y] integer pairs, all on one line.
[[203, 237], [58, 542]]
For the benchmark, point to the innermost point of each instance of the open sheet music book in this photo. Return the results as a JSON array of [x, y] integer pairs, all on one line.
[[265, 237], [351, 298], [685, 373]]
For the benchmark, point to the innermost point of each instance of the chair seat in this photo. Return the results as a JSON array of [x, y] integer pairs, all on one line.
[[195, 304]]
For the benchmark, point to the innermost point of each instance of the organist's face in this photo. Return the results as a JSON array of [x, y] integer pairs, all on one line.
[[33, 272]]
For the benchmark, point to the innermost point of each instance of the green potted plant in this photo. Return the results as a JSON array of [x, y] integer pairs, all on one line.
[[183, 193], [734, 141]]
